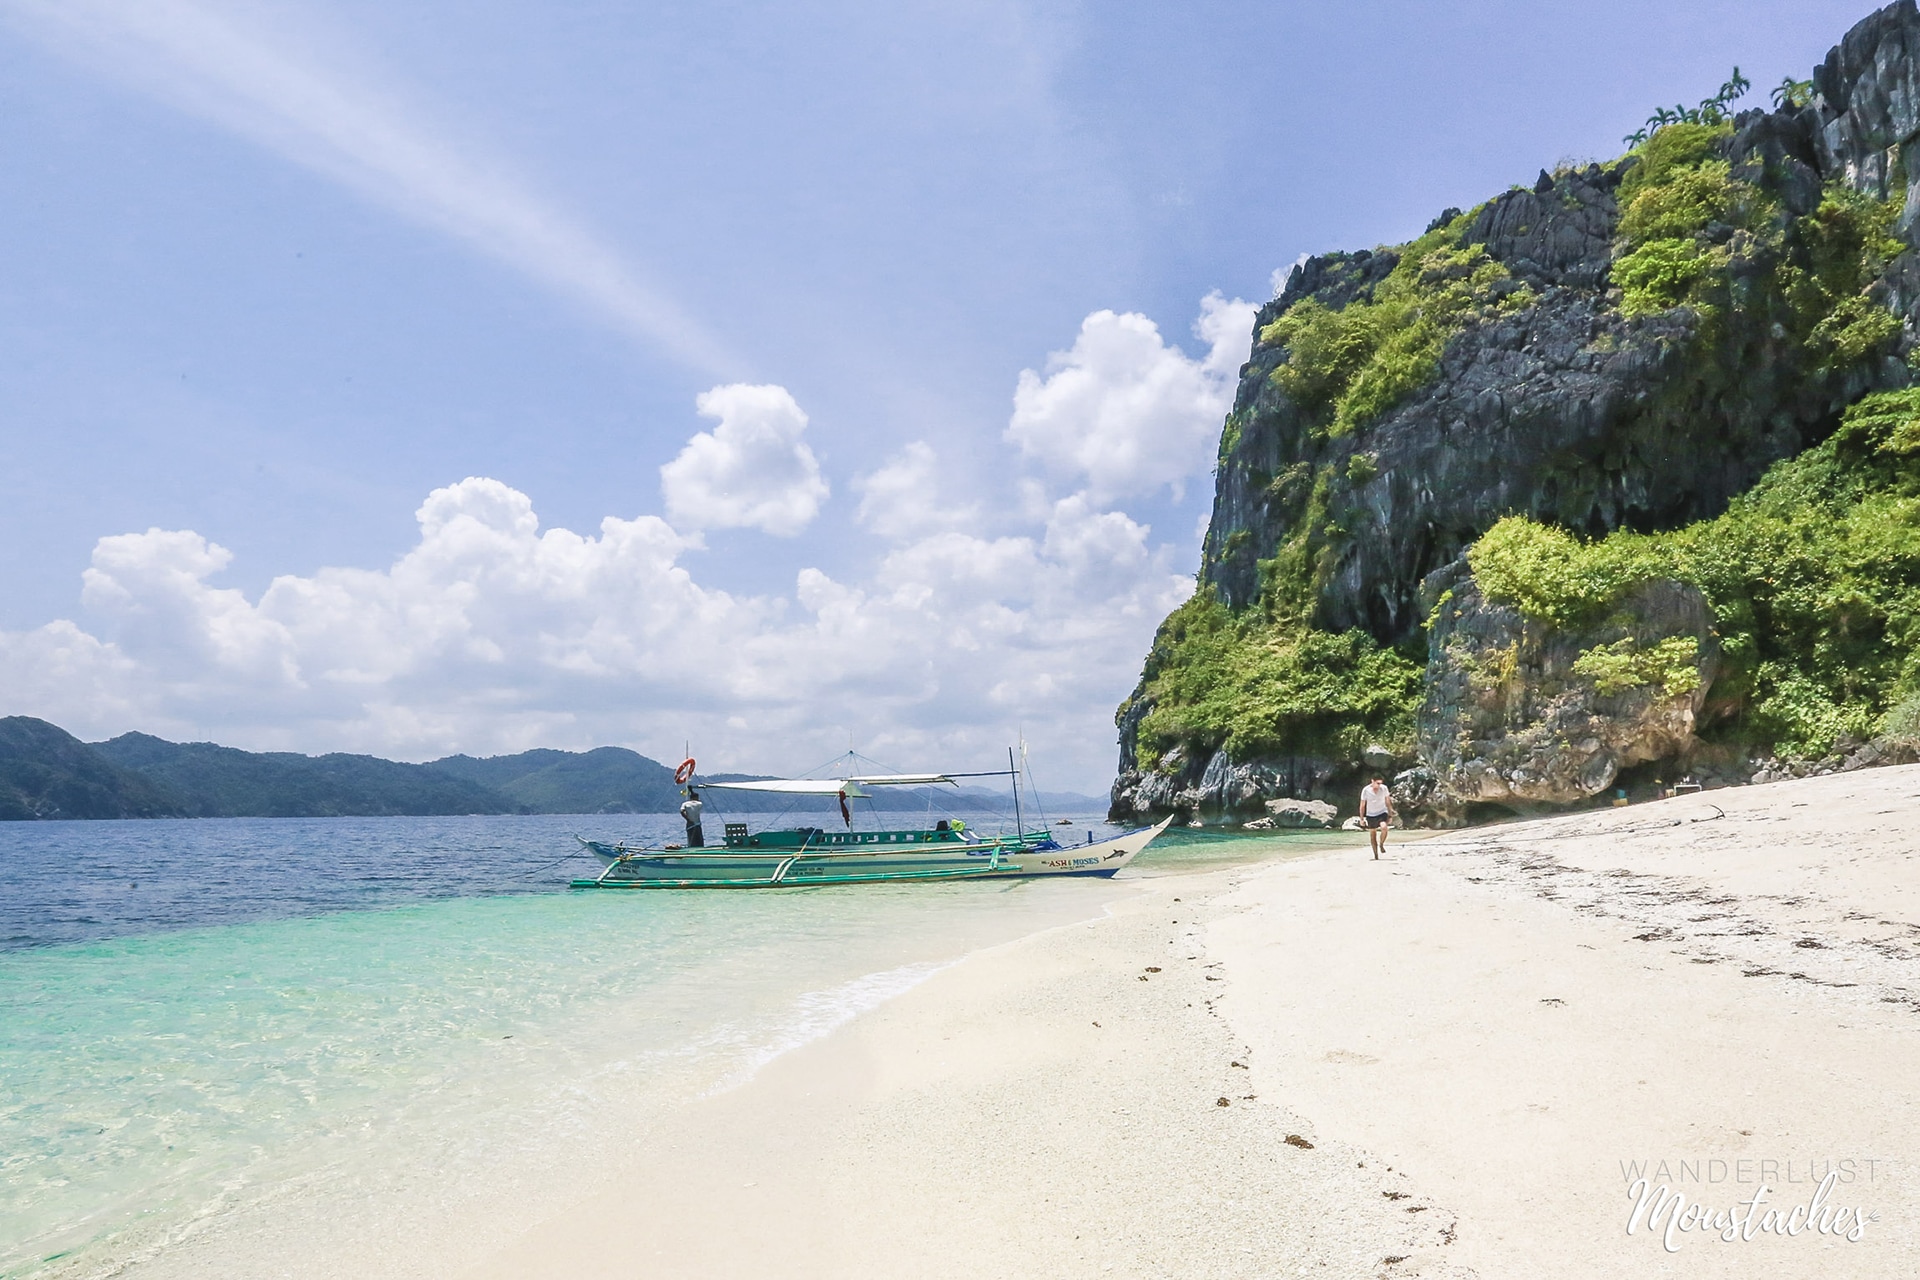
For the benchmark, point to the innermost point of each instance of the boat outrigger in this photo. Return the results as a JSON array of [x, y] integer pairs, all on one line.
[[815, 856]]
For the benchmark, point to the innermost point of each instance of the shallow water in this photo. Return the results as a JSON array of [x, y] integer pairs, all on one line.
[[195, 1016]]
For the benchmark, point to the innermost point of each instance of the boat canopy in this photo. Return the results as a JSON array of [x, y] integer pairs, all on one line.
[[833, 786]]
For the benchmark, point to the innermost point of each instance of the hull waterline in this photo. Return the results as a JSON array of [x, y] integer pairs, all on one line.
[[756, 868]]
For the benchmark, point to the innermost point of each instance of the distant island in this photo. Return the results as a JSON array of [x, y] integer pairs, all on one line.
[[47, 773]]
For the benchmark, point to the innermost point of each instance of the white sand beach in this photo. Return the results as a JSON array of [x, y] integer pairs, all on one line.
[[1476, 1035], [1450, 1062], [1514, 1015]]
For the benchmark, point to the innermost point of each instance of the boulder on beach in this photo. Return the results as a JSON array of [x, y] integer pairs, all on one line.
[[1291, 814]]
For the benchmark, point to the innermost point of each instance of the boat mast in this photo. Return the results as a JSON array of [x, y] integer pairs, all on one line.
[[1019, 827]]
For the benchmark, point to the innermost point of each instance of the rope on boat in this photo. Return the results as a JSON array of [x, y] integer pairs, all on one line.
[[548, 866]]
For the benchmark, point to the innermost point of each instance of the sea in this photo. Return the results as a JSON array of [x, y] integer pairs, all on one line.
[[219, 1034]]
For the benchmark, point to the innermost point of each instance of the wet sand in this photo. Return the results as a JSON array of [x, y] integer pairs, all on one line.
[[1050, 1108], [1442, 1064]]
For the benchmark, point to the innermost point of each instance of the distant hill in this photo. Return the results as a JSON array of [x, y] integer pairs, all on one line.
[[46, 772], [604, 780], [210, 781]]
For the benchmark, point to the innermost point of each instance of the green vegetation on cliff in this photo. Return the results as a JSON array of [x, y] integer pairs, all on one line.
[[1266, 681], [1693, 234], [1677, 189], [1261, 687], [1808, 655], [1673, 665], [1352, 364], [1720, 106], [1813, 577]]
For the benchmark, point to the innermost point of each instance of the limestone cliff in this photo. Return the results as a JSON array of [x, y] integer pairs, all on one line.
[[1621, 350]]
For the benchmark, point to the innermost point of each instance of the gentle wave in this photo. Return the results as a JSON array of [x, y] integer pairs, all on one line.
[[819, 1014]]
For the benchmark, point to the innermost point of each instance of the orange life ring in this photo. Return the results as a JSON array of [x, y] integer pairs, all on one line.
[[684, 772]]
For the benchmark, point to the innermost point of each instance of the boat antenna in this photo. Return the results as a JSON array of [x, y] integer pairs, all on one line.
[[1019, 827], [1033, 787]]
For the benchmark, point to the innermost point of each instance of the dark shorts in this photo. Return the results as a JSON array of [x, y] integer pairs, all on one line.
[[1377, 819]]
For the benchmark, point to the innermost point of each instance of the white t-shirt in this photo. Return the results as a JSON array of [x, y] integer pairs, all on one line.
[[1373, 799], [690, 812]]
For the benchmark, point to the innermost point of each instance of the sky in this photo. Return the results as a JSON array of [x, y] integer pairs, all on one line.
[[755, 379]]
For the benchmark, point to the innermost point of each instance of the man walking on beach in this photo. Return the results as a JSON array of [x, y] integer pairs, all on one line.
[[1376, 811], [690, 814]]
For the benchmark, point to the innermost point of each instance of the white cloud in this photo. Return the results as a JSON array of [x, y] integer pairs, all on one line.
[[752, 471], [492, 634], [1124, 411], [910, 494], [274, 86], [61, 673], [154, 585]]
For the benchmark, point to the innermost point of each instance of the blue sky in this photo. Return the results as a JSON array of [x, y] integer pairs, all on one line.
[[277, 272]]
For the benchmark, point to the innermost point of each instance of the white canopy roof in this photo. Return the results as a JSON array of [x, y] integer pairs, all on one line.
[[832, 786]]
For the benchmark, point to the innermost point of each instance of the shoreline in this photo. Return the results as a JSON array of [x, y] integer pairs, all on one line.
[[1442, 1064], [1473, 1035], [1046, 1107]]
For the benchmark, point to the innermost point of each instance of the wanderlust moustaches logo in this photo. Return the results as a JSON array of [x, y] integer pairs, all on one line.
[[1670, 1198]]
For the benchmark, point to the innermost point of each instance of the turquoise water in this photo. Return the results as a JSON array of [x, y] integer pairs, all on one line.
[[318, 1004]]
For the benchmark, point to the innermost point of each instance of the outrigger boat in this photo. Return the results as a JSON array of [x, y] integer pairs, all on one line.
[[813, 855]]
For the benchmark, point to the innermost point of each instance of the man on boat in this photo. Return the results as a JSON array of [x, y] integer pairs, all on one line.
[[690, 814]]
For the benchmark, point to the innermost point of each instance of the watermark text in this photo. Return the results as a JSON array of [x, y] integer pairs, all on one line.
[[1740, 1199]]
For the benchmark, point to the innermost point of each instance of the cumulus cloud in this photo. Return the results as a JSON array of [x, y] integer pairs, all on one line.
[[63, 674], [154, 586], [909, 495], [493, 634], [1123, 411], [751, 471]]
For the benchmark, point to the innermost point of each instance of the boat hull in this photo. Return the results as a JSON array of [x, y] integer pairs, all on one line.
[[738, 868]]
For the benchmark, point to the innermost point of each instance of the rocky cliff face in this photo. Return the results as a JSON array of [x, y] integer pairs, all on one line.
[[1567, 411], [1527, 717], [1621, 347]]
